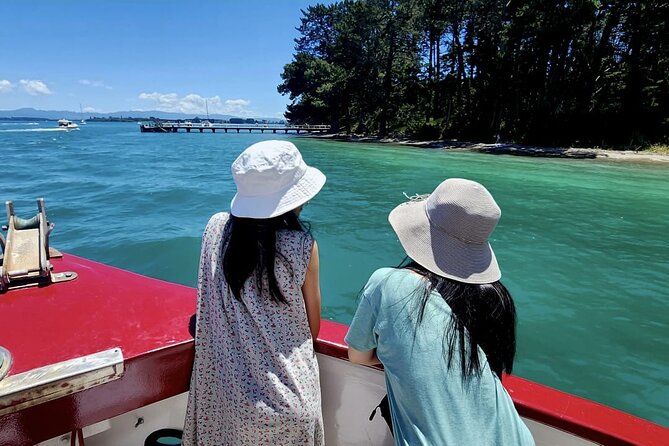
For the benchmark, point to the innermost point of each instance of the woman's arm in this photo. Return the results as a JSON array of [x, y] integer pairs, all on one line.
[[364, 358], [311, 290], [363, 337]]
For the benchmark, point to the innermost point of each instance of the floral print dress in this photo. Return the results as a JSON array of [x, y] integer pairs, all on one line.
[[255, 377]]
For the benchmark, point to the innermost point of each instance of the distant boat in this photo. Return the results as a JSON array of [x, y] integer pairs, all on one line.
[[81, 111], [207, 123], [67, 124]]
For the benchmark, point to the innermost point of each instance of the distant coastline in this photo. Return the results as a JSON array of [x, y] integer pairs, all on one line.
[[118, 116], [232, 120], [33, 119], [508, 148], [25, 118]]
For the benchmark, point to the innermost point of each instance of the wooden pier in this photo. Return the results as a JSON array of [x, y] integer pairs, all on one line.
[[188, 127]]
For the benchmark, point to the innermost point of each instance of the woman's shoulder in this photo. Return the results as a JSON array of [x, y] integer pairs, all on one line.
[[393, 276], [386, 279], [293, 242], [381, 274], [216, 223], [292, 234], [218, 218], [390, 284]]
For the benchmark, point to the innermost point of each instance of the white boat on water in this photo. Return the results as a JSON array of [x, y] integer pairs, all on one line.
[[67, 124]]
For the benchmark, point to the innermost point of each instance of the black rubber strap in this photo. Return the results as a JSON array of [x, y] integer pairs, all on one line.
[[384, 407]]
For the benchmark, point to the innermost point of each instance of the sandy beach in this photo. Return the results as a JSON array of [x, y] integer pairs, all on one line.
[[511, 149]]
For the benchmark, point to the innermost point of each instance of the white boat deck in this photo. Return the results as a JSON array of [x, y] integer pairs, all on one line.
[[350, 393]]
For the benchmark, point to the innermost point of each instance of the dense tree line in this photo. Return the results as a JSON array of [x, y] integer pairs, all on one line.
[[533, 71]]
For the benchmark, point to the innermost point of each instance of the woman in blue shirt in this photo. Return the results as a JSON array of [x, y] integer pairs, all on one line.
[[442, 324]]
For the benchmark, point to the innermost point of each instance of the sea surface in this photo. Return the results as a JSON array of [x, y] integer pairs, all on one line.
[[583, 244]]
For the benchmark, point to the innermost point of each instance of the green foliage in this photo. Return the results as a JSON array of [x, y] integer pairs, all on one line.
[[577, 71], [660, 149], [424, 131]]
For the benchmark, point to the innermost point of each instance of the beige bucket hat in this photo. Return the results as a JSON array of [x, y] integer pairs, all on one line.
[[447, 231]]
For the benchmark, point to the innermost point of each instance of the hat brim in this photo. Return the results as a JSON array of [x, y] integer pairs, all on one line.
[[439, 252], [268, 206]]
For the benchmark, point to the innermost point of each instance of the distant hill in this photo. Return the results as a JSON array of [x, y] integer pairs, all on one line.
[[64, 114]]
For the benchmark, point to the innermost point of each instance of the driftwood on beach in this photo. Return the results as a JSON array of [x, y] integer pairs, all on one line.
[[553, 152]]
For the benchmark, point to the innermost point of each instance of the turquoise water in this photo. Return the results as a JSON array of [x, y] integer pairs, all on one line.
[[582, 243]]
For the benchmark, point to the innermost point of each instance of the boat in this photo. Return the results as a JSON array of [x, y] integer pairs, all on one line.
[[207, 123], [81, 112], [66, 124], [98, 355]]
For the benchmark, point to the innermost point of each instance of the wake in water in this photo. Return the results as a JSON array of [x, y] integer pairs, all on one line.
[[37, 130], [19, 123]]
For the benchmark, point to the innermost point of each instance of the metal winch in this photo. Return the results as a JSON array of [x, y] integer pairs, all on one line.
[[25, 255]]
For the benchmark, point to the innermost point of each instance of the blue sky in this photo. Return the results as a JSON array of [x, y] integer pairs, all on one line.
[[147, 55]]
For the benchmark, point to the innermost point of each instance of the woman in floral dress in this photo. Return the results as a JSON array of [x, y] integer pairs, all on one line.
[[255, 377]]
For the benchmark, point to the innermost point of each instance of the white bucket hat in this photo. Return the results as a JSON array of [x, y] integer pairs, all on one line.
[[447, 232], [272, 179]]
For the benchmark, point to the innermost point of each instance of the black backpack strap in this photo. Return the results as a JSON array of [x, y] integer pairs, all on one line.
[[192, 325], [384, 407]]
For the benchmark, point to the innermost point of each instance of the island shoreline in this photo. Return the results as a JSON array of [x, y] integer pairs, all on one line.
[[505, 148]]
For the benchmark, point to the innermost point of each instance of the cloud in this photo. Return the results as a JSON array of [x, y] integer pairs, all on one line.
[[34, 87], [97, 84], [196, 104], [5, 86], [89, 110], [236, 106]]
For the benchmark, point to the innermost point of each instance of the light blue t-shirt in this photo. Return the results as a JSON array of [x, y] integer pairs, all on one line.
[[429, 403]]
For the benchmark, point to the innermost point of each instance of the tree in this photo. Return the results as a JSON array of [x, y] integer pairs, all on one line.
[[576, 71]]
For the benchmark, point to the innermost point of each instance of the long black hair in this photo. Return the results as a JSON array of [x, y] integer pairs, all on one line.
[[250, 249], [483, 315]]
